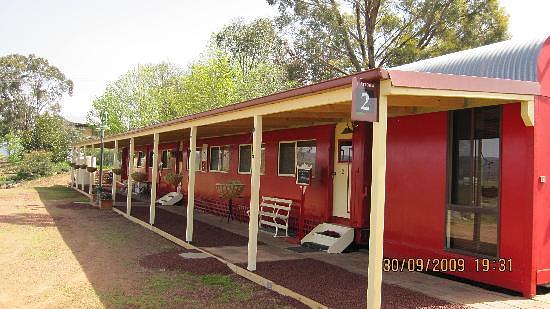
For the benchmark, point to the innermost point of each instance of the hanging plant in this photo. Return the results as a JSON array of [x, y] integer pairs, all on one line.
[[74, 165], [139, 176], [91, 169], [83, 166], [173, 178], [117, 171]]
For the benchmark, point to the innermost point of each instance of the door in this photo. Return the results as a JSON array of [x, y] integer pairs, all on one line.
[[342, 170]]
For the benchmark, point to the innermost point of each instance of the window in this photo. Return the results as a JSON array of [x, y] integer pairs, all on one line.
[[150, 159], [474, 197], [245, 159], [292, 154], [166, 156], [197, 160], [219, 159], [345, 150], [140, 162]]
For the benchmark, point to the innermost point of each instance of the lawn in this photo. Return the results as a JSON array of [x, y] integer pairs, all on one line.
[[66, 254]]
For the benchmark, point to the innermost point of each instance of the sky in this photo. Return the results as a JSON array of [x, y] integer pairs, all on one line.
[[93, 42]]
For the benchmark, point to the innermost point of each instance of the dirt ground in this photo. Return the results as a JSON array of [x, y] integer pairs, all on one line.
[[56, 253]]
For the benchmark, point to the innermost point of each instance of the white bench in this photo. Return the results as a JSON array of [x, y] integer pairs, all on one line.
[[278, 210]]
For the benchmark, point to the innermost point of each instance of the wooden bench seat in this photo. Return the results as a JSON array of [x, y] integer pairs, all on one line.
[[277, 210]]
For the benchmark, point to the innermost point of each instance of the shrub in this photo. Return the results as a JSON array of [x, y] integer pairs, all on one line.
[[36, 164]]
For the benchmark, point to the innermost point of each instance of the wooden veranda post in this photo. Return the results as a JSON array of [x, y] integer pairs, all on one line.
[[130, 180], [191, 184], [83, 161], [116, 165], [154, 177], [91, 174], [378, 197], [72, 166], [254, 192]]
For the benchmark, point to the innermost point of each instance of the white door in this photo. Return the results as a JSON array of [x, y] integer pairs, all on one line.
[[341, 176]]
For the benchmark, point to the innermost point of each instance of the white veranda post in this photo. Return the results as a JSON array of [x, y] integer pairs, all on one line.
[[378, 196], [254, 192], [130, 180], [72, 167], [81, 172], [154, 178], [191, 184], [115, 177], [90, 163]]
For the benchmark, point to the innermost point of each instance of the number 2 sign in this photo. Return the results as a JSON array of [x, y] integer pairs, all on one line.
[[364, 101]]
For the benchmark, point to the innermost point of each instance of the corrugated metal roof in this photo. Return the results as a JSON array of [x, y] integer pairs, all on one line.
[[512, 59]]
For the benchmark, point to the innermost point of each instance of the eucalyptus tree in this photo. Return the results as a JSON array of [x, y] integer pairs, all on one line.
[[328, 38]]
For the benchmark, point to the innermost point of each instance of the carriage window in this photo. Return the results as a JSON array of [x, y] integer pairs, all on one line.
[[166, 155], [150, 159], [245, 159], [140, 159], [219, 158], [292, 154], [473, 208]]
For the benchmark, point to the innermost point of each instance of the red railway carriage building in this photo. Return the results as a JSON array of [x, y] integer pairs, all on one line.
[[455, 167]]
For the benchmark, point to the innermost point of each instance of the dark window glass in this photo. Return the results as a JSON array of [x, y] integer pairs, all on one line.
[[287, 158], [473, 211], [214, 158], [245, 158], [150, 159], [165, 158], [345, 151], [140, 162]]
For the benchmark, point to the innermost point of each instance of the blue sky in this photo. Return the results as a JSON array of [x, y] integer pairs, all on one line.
[[94, 42]]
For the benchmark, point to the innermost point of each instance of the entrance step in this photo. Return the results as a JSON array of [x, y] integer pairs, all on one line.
[[336, 238]]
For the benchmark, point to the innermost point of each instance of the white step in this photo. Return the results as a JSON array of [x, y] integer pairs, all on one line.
[[334, 244]]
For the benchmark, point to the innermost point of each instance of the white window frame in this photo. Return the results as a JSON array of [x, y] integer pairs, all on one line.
[[209, 162], [239, 166], [295, 155]]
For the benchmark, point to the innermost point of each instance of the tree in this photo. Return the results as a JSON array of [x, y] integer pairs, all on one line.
[[138, 98], [53, 134], [29, 86], [328, 38]]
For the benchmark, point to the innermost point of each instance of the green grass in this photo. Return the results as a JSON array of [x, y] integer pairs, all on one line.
[[58, 193], [181, 289]]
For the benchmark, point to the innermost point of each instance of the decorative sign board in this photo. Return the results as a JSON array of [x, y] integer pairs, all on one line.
[[303, 175], [364, 100]]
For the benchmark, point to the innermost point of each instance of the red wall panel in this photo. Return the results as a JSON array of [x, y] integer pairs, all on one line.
[[541, 211], [416, 195]]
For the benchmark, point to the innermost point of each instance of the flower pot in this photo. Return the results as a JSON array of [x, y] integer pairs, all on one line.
[[106, 204]]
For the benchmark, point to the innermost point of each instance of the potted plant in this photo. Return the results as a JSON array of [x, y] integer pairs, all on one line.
[[228, 191], [173, 178], [139, 176], [106, 201], [91, 169]]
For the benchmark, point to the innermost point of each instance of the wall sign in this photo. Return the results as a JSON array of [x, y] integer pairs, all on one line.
[[364, 100]]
